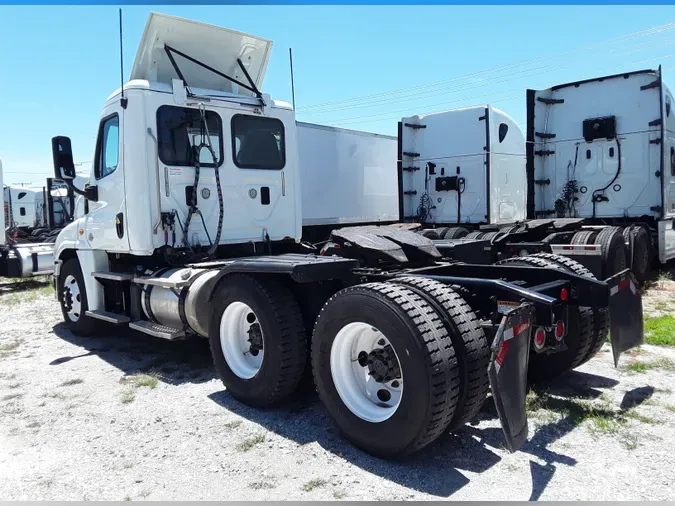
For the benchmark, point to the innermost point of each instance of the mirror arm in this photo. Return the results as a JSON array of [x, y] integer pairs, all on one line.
[[89, 192]]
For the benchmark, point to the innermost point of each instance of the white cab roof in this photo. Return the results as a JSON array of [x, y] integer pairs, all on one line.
[[214, 46]]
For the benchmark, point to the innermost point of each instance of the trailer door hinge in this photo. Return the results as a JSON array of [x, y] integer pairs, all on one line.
[[410, 192], [657, 173], [550, 101], [544, 135], [655, 209], [656, 122], [655, 141], [542, 181], [410, 169], [412, 155], [544, 152], [414, 126]]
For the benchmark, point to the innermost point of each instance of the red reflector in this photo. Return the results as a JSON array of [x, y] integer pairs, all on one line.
[[624, 284], [589, 248], [564, 294], [559, 330], [502, 352], [512, 250], [568, 247], [536, 250], [539, 338]]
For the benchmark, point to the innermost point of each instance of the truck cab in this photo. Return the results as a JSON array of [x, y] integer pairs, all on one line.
[[190, 115]]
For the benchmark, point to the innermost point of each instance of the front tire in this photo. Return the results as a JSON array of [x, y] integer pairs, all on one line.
[[258, 341], [72, 296], [385, 368]]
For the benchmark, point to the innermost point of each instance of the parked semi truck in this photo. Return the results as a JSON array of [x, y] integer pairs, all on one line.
[[194, 226], [31, 221], [599, 167]]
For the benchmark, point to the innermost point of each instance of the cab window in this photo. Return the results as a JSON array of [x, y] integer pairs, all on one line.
[[108, 148], [258, 143], [181, 132]]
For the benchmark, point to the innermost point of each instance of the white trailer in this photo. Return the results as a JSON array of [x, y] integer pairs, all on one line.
[[194, 225], [347, 177]]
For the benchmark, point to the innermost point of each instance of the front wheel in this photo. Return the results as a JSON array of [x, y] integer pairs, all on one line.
[[72, 296]]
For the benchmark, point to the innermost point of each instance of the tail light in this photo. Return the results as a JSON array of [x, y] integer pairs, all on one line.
[[539, 338], [564, 293], [559, 330]]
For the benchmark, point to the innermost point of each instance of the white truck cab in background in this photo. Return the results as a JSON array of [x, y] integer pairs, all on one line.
[[464, 166]]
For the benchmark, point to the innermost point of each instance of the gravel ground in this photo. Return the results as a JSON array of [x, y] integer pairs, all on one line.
[[127, 416]]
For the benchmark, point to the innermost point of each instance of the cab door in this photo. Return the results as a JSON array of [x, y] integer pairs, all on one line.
[[106, 221]]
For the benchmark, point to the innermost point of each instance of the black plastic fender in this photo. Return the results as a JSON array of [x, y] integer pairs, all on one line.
[[626, 325], [508, 373]]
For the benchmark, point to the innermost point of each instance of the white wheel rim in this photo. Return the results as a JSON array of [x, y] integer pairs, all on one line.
[[369, 399], [239, 325], [72, 298]]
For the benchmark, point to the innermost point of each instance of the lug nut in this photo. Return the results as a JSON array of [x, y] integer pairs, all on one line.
[[381, 342]]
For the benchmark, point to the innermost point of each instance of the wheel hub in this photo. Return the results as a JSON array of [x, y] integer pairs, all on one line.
[[255, 337], [67, 299], [383, 365]]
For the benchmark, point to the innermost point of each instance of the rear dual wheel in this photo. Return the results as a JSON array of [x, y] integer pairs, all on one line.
[[580, 331], [386, 368]]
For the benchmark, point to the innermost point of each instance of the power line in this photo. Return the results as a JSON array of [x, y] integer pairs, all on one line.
[[574, 51], [385, 115], [467, 86]]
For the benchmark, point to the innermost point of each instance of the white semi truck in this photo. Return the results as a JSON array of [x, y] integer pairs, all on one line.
[[31, 220], [594, 180], [194, 225]]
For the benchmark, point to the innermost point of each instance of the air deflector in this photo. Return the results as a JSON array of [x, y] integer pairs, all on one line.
[[217, 47]]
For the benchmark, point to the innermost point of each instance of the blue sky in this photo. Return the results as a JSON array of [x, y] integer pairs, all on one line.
[[58, 64]]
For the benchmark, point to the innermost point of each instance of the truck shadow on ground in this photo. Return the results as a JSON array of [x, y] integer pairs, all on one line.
[[175, 363], [437, 470]]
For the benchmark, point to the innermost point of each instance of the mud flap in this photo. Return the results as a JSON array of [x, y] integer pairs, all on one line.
[[508, 373], [626, 326]]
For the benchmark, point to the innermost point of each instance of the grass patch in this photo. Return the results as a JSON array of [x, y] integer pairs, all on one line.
[[10, 346], [339, 494], [128, 465], [670, 407], [233, 425], [142, 380], [629, 441], [69, 383], [261, 485], [251, 442], [660, 330], [635, 366], [637, 416], [128, 397], [33, 425], [55, 395], [664, 276], [314, 484]]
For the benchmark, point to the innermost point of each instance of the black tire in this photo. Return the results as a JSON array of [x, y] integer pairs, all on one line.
[[428, 366], [474, 235], [584, 237], [642, 251], [82, 325], [455, 233], [284, 339], [489, 235], [600, 316], [430, 234], [580, 332], [614, 252], [468, 339], [441, 231]]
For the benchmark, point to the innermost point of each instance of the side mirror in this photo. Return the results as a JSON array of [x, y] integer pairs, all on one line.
[[64, 167]]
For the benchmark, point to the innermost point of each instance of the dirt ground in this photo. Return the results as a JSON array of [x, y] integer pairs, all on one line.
[[129, 417]]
